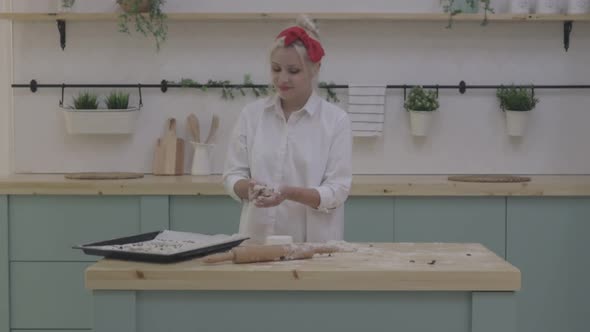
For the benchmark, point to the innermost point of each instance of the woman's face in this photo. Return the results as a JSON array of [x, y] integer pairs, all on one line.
[[291, 78]]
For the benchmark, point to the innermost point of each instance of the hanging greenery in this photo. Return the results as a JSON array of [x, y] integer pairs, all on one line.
[[453, 7], [229, 90], [148, 17]]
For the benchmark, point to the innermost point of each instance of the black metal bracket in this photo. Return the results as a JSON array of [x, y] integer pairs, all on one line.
[[567, 30], [140, 99], [405, 87], [164, 86], [33, 85], [462, 87], [61, 101], [61, 27]]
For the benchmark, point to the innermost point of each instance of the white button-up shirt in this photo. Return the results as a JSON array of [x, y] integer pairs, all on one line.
[[311, 149]]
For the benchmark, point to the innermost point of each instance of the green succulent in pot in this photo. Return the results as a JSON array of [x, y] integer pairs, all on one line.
[[516, 104], [117, 100], [420, 99], [85, 101], [516, 98], [421, 104]]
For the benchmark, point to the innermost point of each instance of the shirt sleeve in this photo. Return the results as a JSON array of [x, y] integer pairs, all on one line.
[[236, 165], [337, 178]]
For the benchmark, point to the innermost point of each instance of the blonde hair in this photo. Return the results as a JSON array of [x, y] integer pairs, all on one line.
[[304, 22]]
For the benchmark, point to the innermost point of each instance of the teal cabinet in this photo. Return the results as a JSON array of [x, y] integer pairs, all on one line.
[[4, 267], [548, 240], [41, 277], [452, 219], [205, 214], [49, 295], [45, 274], [44, 228], [368, 219]]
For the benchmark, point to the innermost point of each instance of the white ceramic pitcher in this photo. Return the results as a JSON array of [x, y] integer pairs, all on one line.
[[201, 159]]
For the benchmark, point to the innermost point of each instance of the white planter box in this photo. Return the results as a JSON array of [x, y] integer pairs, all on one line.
[[420, 122], [516, 122], [101, 121]]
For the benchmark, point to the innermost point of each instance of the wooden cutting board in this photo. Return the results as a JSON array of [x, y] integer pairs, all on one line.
[[103, 175], [489, 178], [169, 152]]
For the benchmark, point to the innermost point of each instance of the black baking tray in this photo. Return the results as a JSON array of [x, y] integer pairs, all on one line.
[[154, 258]]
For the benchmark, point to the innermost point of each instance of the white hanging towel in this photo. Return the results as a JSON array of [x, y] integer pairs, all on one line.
[[366, 109]]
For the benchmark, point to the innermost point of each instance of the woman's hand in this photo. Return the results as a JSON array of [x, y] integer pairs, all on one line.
[[253, 191], [257, 189], [274, 198]]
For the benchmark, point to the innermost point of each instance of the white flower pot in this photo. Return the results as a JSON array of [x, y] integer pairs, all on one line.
[[520, 6], [516, 122], [548, 7], [465, 7], [65, 6], [577, 6], [420, 122], [101, 121]]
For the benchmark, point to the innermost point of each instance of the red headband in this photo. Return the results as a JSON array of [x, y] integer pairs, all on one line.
[[314, 48]]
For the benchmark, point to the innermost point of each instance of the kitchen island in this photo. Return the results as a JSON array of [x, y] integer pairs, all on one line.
[[367, 287]]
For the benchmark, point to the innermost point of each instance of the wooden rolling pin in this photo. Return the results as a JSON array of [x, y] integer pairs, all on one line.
[[269, 253]]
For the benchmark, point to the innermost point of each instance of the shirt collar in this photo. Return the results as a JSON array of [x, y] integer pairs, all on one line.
[[312, 105]]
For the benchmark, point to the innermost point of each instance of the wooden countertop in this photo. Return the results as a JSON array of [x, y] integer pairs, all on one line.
[[383, 266], [363, 185]]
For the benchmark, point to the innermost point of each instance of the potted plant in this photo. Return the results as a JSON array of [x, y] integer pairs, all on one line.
[[516, 103], [421, 104], [148, 17], [66, 6], [454, 7], [84, 117]]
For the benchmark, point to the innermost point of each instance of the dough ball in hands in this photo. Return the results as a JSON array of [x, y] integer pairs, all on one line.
[[262, 190]]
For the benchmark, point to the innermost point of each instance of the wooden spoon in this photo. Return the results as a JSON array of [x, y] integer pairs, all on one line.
[[213, 129], [193, 125]]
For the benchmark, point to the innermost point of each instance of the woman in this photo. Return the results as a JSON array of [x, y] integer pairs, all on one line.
[[295, 143]]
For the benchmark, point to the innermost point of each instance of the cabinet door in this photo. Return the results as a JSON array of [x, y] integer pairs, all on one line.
[[4, 267], [452, 219], [368, 219], [44, 228], [49, 295], [548, 240], [205, 214]]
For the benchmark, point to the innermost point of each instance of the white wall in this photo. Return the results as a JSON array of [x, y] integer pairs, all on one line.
[[468, 135], [5, 92]]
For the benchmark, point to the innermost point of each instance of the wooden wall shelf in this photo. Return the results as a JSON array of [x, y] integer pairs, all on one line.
[[61, 18], [320, 16]]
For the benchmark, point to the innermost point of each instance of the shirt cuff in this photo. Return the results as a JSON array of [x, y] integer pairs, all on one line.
[[230, 182], [325, 198]]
